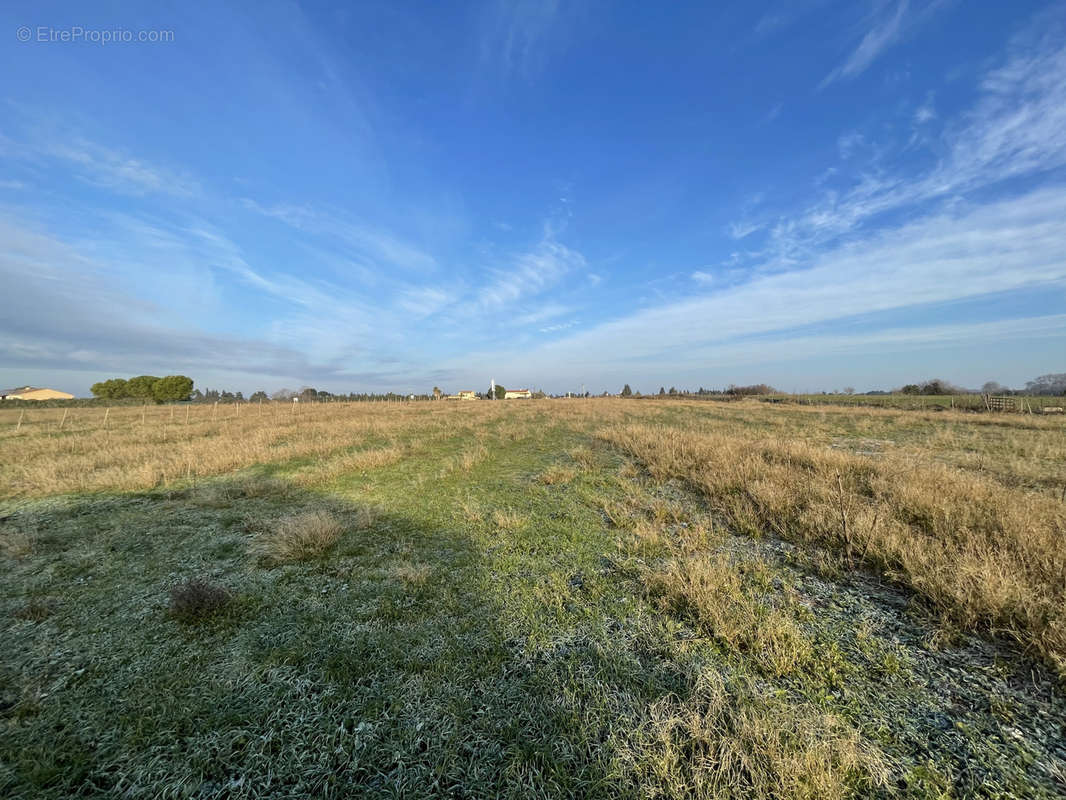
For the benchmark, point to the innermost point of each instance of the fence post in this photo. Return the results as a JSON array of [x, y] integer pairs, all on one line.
[[64, 419], [22, 413]]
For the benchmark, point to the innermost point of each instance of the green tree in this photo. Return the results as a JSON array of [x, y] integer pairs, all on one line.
[[662, 390], [500, 392], [626, 391], [142, 387], [172, 388], [111, 389], [259, 397]]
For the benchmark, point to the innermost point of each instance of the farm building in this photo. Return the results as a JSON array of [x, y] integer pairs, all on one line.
[[466, 395], [518, 394], [34, 393]]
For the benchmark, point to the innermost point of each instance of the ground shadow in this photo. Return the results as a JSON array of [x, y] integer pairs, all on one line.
[[378, 668]]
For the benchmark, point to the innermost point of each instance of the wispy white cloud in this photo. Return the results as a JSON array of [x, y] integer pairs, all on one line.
[[744, 228], [559, 326], [926, 112], [529, 274], [1010, 245], [517, 35], [115, 170], [1017, 127], [380, 246], [545, 312], [885, 26]]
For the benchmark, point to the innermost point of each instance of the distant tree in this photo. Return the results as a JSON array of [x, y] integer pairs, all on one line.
[[673, 390], [662, 390], [437, 393], [142, 387], [626, 391], [308, 393], [754, 389], [172, 388], [112, 389], [197, 396], [1051, 384], [936, 386], [993, 387], [911, 388], [849, 390], [500, 392], [258, 397], [283, 394]]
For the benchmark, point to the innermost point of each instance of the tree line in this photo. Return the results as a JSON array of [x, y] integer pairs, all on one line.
[[1052, 384], [149, 388]]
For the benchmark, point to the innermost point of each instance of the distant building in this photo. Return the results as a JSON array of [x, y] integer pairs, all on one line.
[[467, 395], [34, 393], [518, 394]]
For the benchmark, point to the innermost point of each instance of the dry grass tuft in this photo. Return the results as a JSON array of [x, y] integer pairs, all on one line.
[[300, 536], [728, 741], [557, 474], [411, 574], [471, 511], [465, 461], [197, 599], [716, 595], [507, 519], [34, 611], [583, 457], [17, 544]]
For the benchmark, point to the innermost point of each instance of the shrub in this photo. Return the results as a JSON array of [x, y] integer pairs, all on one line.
[[196, 600]]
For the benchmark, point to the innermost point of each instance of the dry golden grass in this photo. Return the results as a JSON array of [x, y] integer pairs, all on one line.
[[348, 463], [986, 554], [729, 741], [507, 519], [712, 592], [583, 457], [557, 474], [965, 508], [299, 536], [411, 574]]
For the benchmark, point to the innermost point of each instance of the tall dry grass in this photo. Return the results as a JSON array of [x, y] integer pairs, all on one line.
[[298, 537], [91, 453], [985, 554], [732, 740]]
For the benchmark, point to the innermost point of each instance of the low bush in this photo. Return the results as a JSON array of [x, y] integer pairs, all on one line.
[[197, 599]]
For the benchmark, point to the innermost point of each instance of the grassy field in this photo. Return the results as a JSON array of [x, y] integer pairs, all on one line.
[[957, 402], [586, 598]]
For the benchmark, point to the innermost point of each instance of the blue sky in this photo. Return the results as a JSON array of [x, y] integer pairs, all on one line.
[[393, 195]]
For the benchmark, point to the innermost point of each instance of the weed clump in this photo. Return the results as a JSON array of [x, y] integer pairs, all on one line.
[[299, 537], [197, 600], [34, 611]]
